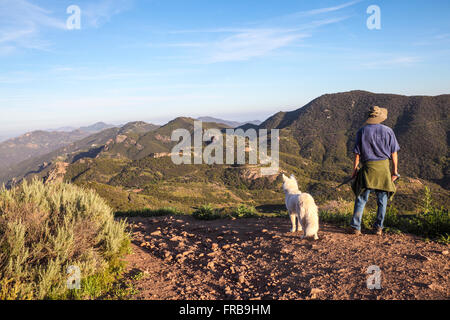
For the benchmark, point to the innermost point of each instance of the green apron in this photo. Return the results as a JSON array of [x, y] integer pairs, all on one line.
[[375, 175]]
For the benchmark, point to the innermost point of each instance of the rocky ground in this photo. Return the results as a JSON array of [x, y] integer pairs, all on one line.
[[178, 257]]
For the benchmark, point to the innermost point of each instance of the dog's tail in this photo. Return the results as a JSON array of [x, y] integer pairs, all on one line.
[[311, 216]]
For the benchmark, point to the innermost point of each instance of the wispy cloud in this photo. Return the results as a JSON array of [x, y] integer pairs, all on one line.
[[179, 45], [252, 43], [22, 12], [262, 38], [400, 61], [303, 16], [438, 39], [328, 9], [20, 24], [97, 13]]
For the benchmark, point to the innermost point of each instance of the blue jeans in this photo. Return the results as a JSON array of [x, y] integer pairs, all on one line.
[[382, 198]]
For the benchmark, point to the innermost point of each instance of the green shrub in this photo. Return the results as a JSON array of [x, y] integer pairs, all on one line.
[[44, 229], [149, 212], [432, 223], [206, 212], [391, 218], [368, 219], [244, 211], [427, 201], [342, 219]]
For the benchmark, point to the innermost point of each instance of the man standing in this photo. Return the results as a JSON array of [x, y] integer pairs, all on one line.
[[375, 145]]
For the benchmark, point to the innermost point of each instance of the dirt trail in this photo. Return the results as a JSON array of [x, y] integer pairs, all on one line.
[[257, 258]]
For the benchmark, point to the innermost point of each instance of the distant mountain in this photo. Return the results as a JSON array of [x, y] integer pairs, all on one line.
[[140, 143], [96, 127], [4, 137], [137, 127], [62, 129], [133, 141], [37, 143], [232, 124]]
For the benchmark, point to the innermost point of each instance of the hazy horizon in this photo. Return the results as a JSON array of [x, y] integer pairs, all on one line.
[[5, 135]]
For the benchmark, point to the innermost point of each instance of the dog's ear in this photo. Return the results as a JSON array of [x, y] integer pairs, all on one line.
[[284, 177]]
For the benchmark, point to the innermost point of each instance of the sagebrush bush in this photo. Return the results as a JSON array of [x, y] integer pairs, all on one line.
[[44, 229]]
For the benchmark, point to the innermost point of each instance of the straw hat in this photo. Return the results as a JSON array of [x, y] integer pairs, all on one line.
[[376, 115]]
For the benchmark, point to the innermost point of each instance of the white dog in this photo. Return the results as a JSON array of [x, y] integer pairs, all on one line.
[[302, 209]]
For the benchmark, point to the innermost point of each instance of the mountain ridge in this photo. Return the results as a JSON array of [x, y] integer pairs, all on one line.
[[134, 140], [230, 123], [316, 144]]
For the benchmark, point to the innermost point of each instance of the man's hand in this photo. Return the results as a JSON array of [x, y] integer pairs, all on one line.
[[355, 165], [395, 166]]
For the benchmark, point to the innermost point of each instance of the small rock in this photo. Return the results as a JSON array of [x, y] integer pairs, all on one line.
[[264, 230], [241, 279], [314, 292], [433, 286], [156, 233], [445, 252], [215, 246], [187, 253]]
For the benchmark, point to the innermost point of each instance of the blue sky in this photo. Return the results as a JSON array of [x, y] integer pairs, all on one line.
[[156, 60]]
